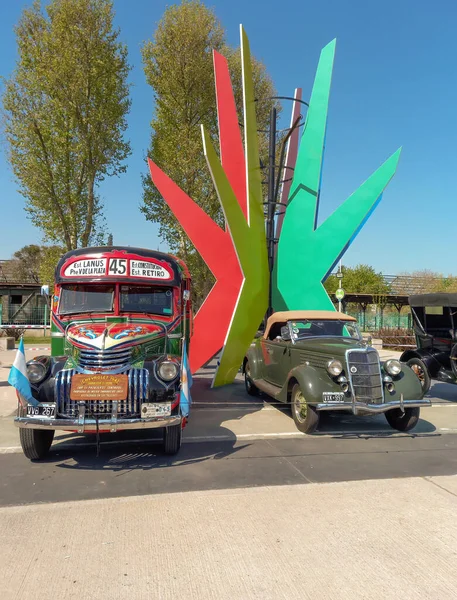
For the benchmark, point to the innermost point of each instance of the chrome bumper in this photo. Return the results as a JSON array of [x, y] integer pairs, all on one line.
[[361, 408], [82, 425]]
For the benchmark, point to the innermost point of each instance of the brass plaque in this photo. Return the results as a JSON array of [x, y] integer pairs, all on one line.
[[99, 387]]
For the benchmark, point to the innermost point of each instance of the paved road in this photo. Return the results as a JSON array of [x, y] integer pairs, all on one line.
[[76, 473], [249, 509]]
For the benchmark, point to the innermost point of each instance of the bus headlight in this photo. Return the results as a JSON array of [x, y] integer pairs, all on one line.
[[36, 372], [168, 370]]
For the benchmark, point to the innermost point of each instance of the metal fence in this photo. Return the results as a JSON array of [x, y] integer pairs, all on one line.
[[380, 320], [37, 315]]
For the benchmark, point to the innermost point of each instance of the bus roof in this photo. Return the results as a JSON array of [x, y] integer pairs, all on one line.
[[120, 263]]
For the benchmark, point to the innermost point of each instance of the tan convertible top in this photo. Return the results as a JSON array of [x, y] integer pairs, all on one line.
[[297, 315]]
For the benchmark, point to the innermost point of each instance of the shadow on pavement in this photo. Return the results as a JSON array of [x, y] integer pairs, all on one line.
[[443, 392], [142, 449], [142, 456]]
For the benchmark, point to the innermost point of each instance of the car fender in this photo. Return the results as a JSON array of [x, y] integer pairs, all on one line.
[[407, 384], [427, 356], [255, 360], [312, 381]]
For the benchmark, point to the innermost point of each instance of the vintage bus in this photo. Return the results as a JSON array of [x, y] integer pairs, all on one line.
[[120, 317]]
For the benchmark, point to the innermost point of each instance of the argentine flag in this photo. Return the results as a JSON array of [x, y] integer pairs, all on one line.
[[18, 376], [186, 383]]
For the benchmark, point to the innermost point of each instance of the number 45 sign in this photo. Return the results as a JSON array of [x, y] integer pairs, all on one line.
[[117, 266]]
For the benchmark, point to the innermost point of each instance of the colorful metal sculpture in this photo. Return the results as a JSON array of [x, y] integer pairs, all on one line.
[[299, 274], [237, 256]]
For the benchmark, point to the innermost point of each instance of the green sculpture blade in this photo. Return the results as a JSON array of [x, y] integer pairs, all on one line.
[[307, 253]]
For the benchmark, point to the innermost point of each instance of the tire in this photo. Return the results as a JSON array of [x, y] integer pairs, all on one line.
[[421, 371], [403, 421], [306, 417], [36, 442], [251, 389], [172, 437]]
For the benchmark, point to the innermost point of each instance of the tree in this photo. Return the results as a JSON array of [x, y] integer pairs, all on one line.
[[65, 112], [26, 263], [178, 65], [361, 279], [422, 282], [35, 263], [51, 256]]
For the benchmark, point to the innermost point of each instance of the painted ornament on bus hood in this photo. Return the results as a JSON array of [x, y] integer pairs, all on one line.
[[101, 336]]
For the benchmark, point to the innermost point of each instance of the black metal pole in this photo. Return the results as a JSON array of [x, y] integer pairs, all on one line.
[[271, 204]]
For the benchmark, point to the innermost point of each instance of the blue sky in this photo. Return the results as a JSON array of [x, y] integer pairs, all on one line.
[[394, 85]]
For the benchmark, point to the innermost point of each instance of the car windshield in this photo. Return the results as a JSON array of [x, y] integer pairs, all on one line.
[[86, 299], [146, 299], [316, 328]]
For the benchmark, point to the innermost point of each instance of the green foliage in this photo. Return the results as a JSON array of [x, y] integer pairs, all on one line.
[[178, 65], [423, 282], [50, 258], [65, 112], [36, 263], [26, 263], [361, 279]]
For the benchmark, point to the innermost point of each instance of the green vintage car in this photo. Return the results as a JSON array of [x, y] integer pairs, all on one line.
[[317, 361]]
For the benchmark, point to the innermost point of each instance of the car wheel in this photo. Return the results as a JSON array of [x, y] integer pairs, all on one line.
[[251, 389], [420, 369], [172, 437], [403, 421], [36, 442], [306, 417]]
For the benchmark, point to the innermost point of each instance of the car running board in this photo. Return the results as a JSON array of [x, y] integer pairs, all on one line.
[[268, 388]]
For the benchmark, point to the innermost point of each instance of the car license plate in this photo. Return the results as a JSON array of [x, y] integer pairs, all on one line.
[[149, 410], [43, 410], [333, 397]]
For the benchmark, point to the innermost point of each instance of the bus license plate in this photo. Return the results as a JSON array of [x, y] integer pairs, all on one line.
[[43, 410], [150, 410]]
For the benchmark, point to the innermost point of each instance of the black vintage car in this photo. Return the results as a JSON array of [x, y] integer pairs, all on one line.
[[435, 328]]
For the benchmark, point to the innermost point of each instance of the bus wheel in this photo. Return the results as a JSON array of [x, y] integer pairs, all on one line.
[[172, 437]]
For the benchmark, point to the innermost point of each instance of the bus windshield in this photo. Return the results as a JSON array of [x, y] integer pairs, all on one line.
[[146, 299], [80, 298]]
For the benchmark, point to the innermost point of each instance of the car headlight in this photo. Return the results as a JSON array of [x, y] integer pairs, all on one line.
[[168, 370], [393, 367], [334, 368], [36, 372]]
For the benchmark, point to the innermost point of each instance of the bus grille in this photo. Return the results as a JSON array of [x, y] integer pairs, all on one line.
[[100, 361], [138, 392]]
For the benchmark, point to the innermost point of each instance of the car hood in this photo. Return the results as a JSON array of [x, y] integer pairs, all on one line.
[[104, 336], [329, 346]]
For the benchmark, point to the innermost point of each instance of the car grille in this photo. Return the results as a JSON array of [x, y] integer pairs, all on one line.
[[114, 361], [364, 371], [138, 392]]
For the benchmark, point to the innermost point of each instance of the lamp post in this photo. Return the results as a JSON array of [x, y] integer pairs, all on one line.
[[339, 292]]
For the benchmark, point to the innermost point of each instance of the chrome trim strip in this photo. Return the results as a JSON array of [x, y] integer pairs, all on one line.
[[360, 407], [81, 416], [90, 424], [114, 416]]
